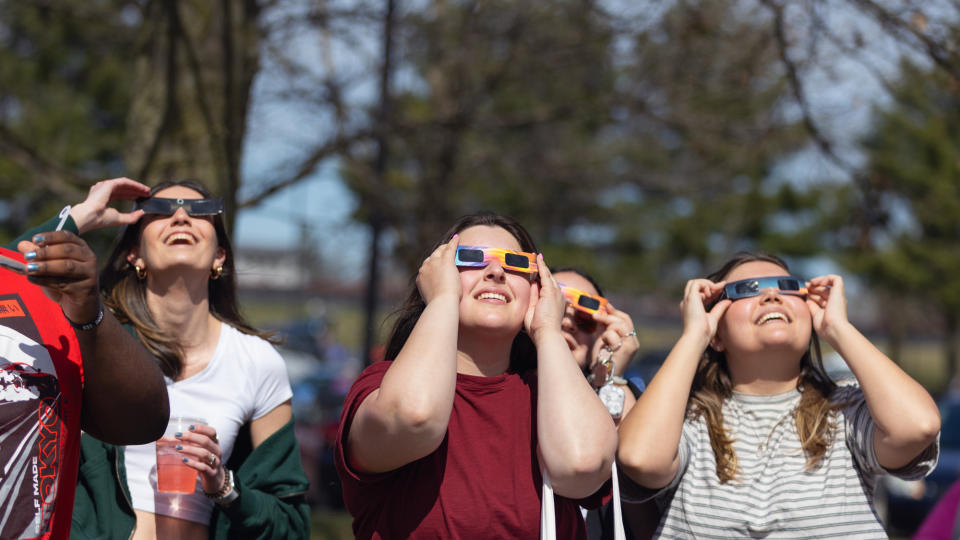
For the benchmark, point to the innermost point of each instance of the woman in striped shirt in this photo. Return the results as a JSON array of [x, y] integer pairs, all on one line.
[[763, 443]]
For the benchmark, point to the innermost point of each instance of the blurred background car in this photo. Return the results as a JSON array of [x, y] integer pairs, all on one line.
[[321, 371]]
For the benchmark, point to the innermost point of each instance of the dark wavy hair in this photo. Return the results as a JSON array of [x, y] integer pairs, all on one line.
[[125, 295], [712, 386], [523, 354]]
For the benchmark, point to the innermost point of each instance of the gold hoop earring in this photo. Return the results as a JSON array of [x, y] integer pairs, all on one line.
[[216, 272], [141, 272]]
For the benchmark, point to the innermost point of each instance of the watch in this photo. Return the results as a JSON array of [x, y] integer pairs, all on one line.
[[228, 493]]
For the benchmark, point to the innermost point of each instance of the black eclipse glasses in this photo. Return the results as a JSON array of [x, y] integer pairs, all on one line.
[[193, 207], [745, 288]]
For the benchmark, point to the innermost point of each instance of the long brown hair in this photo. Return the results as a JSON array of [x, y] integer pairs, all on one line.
[[125, 295], [523, 354], [712, 386]]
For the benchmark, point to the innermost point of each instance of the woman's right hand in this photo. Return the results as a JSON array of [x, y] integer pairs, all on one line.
[[95, 213], [438, 274], [697, 321]]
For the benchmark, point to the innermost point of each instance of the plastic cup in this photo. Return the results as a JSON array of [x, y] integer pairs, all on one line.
[[173, 475]]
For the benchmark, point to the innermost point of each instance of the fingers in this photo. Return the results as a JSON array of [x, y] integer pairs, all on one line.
[[702, 289], [200, 449], [716, 313], [95, 213], [547, 304], [58, 256], [124, 189], [547, 282], [438, 274], [124, 218]]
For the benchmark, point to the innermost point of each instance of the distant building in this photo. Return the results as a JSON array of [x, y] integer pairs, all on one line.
[[271, 269]]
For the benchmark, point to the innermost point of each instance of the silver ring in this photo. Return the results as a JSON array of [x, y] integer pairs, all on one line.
[[212, 459], [630, 333]]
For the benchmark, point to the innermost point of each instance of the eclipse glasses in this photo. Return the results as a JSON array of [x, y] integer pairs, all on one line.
[[586, 302], [479, 256], [745, 288], [193, 207]]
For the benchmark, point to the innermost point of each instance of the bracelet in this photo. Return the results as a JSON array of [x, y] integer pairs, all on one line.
[[227, 492], [90, 325]]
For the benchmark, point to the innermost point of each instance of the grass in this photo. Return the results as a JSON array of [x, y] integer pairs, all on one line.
[[330, 525]]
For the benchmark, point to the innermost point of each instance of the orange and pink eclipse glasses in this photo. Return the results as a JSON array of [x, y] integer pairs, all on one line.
[[479, 256], [586, 302]]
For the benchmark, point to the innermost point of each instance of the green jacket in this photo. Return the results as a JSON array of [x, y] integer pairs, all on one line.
[[46, 226], [269, 479]]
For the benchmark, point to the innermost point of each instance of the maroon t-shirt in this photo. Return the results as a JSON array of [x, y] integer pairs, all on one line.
[[482, 482], [41, 380]]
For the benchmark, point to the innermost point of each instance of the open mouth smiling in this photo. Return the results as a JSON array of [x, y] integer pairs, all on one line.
[[494, 296], [180, 238], [773, 316]]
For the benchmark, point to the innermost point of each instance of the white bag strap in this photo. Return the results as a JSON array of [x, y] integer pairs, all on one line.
[[618, 533], [548, 517]]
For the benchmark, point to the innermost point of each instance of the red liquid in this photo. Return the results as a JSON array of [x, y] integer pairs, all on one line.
[[173, 476]]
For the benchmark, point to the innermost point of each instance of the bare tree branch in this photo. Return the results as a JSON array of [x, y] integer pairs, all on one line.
[[902, 29], [796, 86], [52, 176], [307, 167]]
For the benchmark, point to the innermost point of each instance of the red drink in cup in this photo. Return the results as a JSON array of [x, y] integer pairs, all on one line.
[[173, 475]]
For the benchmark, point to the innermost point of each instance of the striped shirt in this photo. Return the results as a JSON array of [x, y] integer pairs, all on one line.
[[772, 495]]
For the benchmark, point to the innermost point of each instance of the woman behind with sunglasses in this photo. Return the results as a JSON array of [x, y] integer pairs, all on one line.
[[171, 279], [603, 340], [764, 443], [599, 336], [447, 438]]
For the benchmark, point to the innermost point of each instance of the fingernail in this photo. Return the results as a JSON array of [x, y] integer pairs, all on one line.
[[184, 460], [178, 434], [30, 255], [191, 427], [38, 239], [179, 447], [33, 267]]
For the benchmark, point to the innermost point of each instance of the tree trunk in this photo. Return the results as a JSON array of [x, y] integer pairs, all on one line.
[[377, 209]]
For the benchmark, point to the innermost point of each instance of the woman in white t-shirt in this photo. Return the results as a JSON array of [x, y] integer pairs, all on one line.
[[741, 433], [171, 277]]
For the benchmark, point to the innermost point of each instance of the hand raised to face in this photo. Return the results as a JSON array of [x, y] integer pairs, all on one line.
[[438, 274]]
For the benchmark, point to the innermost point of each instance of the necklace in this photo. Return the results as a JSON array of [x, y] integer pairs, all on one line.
[[764, 446]]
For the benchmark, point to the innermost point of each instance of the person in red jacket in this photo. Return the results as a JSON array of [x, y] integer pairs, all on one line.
[[66, 364]]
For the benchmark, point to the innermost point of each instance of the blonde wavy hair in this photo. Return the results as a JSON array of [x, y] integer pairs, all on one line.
[[712, 386]]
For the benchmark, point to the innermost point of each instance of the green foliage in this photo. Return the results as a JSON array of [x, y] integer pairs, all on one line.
[[64, 68], [641, 156], [913, 187]]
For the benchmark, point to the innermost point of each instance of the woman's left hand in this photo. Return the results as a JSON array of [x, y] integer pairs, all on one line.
[[202, 452], [827, 303], [618, 336], [547, 303]]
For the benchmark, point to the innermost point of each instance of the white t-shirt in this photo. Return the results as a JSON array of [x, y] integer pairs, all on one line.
[[245, 379]]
